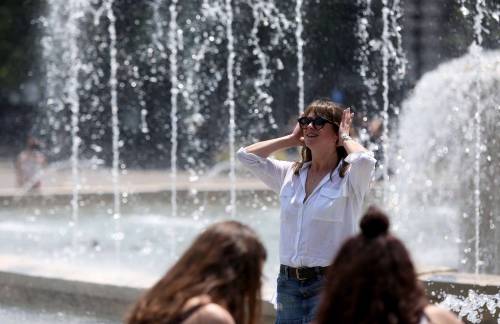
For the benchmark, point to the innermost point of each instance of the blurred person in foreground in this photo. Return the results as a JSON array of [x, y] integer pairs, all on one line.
[[217, 280], [372, 280]]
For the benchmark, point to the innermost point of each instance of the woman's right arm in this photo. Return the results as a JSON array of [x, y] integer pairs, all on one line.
[[266, 148], [270, 171]]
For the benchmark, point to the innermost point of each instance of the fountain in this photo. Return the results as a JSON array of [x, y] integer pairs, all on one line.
[[149, 103], [453, 115], [439, 171]]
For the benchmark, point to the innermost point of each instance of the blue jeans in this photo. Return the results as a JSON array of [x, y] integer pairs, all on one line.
[[297, 301]]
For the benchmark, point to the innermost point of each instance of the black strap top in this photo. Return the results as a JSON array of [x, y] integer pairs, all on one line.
[[185, 315]]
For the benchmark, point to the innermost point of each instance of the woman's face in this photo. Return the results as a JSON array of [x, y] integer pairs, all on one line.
[[323, 138]]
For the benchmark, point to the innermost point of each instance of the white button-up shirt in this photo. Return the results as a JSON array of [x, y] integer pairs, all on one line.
[[312, 231]]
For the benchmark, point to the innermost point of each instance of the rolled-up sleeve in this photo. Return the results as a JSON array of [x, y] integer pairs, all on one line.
[[271, 171], [361, 171]]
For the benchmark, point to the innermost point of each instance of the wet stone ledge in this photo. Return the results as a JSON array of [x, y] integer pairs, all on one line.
[[475, 298], [99, 302]]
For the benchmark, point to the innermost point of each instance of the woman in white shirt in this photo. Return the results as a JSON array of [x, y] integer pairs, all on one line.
[[321, 198]]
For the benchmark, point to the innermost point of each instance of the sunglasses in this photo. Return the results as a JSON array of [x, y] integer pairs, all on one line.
[[317, 123]]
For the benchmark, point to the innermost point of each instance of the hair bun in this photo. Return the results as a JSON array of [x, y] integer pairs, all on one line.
[[374, 223]]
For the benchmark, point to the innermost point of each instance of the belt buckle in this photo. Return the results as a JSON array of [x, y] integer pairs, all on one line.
[[297, 274]]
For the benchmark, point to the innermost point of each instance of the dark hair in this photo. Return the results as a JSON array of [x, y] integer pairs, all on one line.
[[372, 279], [33, 143], [224, 262], [331, 111]]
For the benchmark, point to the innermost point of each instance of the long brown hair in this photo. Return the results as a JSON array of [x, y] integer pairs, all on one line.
[[331, 111], [372, 279], [224, 262]]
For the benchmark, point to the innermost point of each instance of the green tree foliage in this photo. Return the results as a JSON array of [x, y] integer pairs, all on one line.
[[18, 48]]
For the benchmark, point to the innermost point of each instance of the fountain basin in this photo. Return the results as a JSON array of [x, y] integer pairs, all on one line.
[[85, 302]]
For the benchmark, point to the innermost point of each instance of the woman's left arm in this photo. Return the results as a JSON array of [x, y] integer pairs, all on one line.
[[361, 160]]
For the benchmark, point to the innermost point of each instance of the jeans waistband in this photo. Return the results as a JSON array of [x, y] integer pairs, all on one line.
[[303, 273]]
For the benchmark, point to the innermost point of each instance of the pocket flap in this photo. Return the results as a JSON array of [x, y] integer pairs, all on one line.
[[333, 192]]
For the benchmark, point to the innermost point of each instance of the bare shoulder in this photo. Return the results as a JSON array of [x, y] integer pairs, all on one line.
[[210, 314], [440, 315]]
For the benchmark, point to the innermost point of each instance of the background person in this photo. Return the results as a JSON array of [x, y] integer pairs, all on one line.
[[29, 165], [372, 280], [320, 196], [217, 280]]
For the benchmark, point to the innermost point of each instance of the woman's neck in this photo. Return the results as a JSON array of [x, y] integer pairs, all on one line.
[[324, 162]]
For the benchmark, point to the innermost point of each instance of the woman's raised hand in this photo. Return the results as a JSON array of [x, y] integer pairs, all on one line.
[[345, 124], [297, 135]]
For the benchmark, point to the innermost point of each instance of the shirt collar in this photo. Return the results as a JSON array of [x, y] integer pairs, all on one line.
[[303, 174]]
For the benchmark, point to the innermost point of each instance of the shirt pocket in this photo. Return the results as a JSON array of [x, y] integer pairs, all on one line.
[[330, 205], [288, 201]]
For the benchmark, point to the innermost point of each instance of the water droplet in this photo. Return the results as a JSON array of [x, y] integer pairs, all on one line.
[[465, 12], [118, 236]]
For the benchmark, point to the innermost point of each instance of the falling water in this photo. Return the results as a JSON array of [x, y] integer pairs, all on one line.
[[173, 46], [158, 35], [300, 53], [265, 13], [476, 50], [157, 40], [477, 179], [230, 103], [390, 53], [144, 123], [364, 53], [397, 54], [49, 42], [61, 42], [138, 84], [204, 45], [118, 235], [385, 96], [74, 102]]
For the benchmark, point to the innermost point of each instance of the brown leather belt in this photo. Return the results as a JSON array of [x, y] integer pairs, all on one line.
[[303, 273]]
